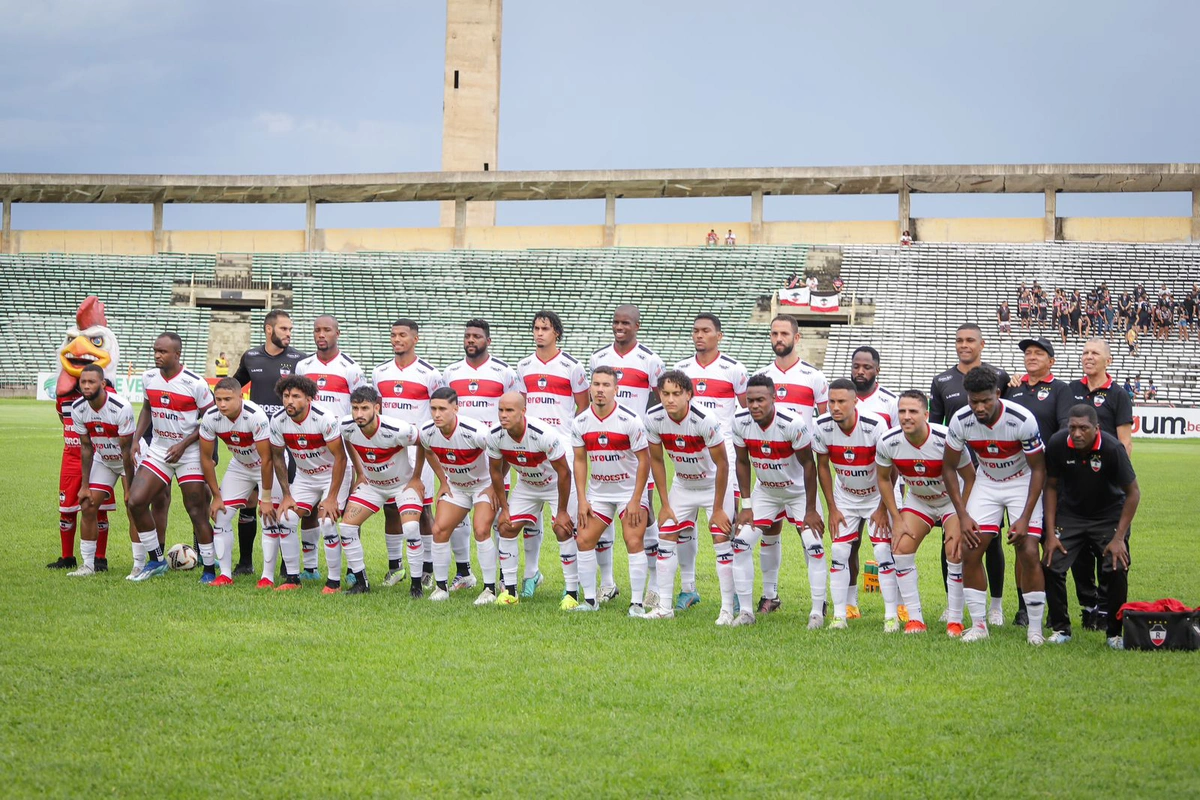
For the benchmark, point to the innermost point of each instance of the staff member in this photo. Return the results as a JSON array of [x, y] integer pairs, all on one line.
[[1091, 496], [222, 366]]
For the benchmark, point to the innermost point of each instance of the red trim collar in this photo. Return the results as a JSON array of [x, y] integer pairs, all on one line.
[[1095, 445]]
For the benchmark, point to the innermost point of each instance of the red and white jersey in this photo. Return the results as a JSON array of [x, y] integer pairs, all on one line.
[[461, 454], [384, 455], [335, 381], [852, 455], [531, 457], [479, 388], [63, 404], [1000, 447], [882, 403], [772, 450], [611, 444], [920, 466], [175, 405], [799, 389], [638, 372], [687, 443], [550, 388], [240, 435], [104, 427], [406, 390], [308, 440], [717, 385]]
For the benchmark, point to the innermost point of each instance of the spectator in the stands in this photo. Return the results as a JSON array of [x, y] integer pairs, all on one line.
[[793, 280], [906, 239], [711, 239], [1125, 310], [811, 283], [1162, 319], [838, 284], [1139, 293], [1079, 317], [1129, 388], [1024, 307], [1131, 339], [1143, 316], [1188, 309], [730, 239], [1151, 390], [1004, 318], [1041, 307], [1137, 385], [1107, 312], [1062, 313]]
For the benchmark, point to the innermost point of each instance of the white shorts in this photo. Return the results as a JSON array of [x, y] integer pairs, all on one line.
[[460, 498], [855, 518], [376, 497], [989, 500], [932, 514], [731, 456], [238, 483], [427, 478], [526, 503], [770, 508], [308, 490], [687, 502], [103, 478], [185, 470]]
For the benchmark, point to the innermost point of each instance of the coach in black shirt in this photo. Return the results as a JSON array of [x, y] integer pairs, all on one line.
[[260, 368], [1091, 497]]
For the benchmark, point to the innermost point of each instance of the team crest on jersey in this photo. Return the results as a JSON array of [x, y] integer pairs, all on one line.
[[1158, 634], [701, 385], [284, 371], [620, 374], [1098, 400], [372, 456], [992, 448], [302, 440], [321, 382], [451, 457], [1095, 463], [1043, 392], [781, 391], [473, 387], [766, 448], [849, 454], [522, 459], [919, 468], [602, 440], [165, 400], [542, 382]]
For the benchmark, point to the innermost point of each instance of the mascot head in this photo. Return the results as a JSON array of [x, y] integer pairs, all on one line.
[[89, 342]]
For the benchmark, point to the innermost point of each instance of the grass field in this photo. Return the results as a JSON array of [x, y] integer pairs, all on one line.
[[171, 688]]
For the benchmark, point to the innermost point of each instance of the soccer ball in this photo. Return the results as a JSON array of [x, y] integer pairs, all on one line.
[[181, 556]]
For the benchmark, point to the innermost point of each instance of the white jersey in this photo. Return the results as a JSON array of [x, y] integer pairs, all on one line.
[[1001, 447], [799, 389], [638, 372], [384, 456], [308, 440], [335, 380], [688, 443], [479, 388], [240, 435], [920, 467], [882, 403], [772, 450], [717, 386], [531, 457], [852, 455], [461, 454], [175, 405], [405, 391], [611, 444], [550, 388], [105, 427]]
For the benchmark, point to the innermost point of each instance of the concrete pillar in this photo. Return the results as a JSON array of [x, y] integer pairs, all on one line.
[[1050, 227], [905, 210], [460, 223], [310, 224], [756, 215], [158, 226], [1195, 215], [610, 219], [6, 234]]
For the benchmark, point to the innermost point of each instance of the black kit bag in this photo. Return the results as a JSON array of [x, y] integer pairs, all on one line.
[[1165, 625]]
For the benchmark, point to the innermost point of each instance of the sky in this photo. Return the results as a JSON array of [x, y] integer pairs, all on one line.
[[306, 86]]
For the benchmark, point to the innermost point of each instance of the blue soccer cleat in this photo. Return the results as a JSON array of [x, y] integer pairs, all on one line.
[[152, 569], [686, 600]]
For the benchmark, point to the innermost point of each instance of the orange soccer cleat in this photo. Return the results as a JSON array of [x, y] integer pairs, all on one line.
[[954, 629]]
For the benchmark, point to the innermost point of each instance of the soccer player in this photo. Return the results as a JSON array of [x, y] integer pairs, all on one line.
[[539, 456], [246, 430], [800, 388], [105, 427], [1012, 471], [638, 370], [719, 383], [779, 447], [260, 368], [914, 450], [556, 390], [336, 375], [847, 438], [175, 399], [379, 446], [946, 397], [611, 471], [314, 439], [457, 445], [405, 383]]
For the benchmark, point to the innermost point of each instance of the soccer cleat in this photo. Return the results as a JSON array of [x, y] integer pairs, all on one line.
[[891, 625], [265, 583], [768, 605], [976, 634], [852, 612], [1116, 642], [945, 617], [744, 618], [636, 610], [658, 612], [651, 598], [838, 624], [152, 570], [529, 585], [608, 593], [996, 617], [439, 595], [1035, 638], [1099, 621], [222, 580], [1088, 616], [243, 568], [902, 613], [289, 583], [133, 573], [427, 581], [1058, 637], [461, 582], [394, 576], [954, 629], [359, 587], [331, 587], [350, 580], [208, 578], [84, 571], [310, 575], [63, 562], [724, 619], [567, 603], [101, 564], [416, 591], [486, 598], [507, 598], [914, 626], [1021, 620], [686, 600], [816, 622], [586, 607], [737, 606]]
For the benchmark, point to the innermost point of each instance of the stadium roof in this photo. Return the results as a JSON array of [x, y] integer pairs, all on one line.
[[595, 184]]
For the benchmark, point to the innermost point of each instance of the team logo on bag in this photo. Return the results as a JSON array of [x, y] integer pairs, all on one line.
[[1158, 634], [1095, 462]]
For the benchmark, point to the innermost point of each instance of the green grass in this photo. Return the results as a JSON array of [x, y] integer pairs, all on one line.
[[169, 688]]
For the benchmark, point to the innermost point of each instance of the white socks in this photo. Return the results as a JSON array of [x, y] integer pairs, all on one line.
[[289, 544], [460, 542], [637, 577], [223, 540], [906, 582], [743, 564], [668, 561], [839, 577], [352, 547], [414, 543], [486, 551], [1035, 607], [977, 604], [87, 550], [441, 562], [149, 541], [333, 550], [887, 578], [770, 556], [724, 552], [532, 537], [587, 575], [568, 553], [139, 555], [510, 553], [814, 560], [207, 554], [650, 548], [954, 592], [309, 538], [604, 556], [687, 549]]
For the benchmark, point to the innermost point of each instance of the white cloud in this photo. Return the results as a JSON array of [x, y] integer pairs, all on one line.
[[34, 19], [275, 122]]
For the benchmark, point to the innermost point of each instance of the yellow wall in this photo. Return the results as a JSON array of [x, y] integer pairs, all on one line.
[[524, 237], [130, 243], [1127, 229], [349, 240], [863, 232], [233, 241], [979, 230]]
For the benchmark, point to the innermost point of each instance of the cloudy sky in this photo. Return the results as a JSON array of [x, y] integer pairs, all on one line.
[[259, 86]]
